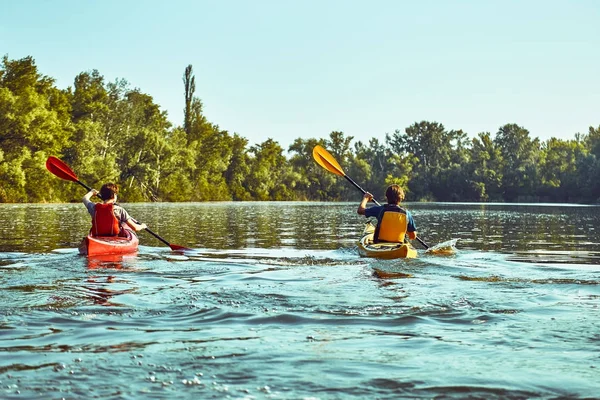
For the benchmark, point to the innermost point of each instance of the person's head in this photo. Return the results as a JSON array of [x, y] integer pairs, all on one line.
[[394, 194], [108, 191]]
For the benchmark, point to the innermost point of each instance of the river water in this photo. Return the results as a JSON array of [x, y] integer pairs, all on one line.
[[274, 302]]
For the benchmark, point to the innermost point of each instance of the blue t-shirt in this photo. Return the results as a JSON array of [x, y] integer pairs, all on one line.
[[375, 211]]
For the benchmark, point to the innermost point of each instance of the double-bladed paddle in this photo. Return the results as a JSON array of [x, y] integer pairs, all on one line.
[[326, 160], [63, 171]]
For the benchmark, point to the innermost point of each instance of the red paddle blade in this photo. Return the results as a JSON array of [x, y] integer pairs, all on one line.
[[60, 169], [176, 248]]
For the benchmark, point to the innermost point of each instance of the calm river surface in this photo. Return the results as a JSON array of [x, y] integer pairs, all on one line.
[[274, 302]]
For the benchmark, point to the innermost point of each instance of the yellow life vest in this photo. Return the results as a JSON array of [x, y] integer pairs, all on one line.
[[392, 224]]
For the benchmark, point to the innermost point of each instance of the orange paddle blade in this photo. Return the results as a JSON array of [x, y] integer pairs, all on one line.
[[326, 160], [60, 169]]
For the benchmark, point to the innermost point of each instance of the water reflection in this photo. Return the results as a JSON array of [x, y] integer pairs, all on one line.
[[505, 228], [274, 301], [101, 288], [109, 261]]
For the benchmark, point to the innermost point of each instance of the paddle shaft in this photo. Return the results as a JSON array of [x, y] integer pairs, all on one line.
[[155, 235], [377, 203]]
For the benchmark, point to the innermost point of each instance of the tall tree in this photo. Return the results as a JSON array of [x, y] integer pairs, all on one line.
[[189, 83], [211, 146]]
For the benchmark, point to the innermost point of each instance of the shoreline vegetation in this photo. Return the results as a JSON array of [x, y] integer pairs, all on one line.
[[108, 131]]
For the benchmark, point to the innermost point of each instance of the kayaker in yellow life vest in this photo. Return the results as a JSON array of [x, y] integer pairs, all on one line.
[[393, 221], [108, 218]]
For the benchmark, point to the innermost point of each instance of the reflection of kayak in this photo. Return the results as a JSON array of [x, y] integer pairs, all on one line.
[[366, 247], [112, 261], [102, 245]]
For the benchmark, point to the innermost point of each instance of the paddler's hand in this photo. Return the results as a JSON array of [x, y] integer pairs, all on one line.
[[91, 193], [136, 226], [363, 203]]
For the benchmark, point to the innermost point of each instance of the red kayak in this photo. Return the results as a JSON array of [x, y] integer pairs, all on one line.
[[102, 245]]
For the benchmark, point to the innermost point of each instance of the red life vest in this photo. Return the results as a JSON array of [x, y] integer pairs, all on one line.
[[104, 222], [392, 224]]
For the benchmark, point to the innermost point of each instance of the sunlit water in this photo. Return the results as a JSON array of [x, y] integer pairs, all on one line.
[[273, 301]]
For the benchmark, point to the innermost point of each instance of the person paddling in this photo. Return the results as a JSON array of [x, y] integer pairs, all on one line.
[[108, 218], [393, 221]]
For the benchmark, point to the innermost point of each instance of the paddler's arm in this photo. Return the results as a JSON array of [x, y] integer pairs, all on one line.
[[88, 203], [135, 226], [362, 207], [412, 232]]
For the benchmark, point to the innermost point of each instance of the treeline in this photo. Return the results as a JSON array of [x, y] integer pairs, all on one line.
[[108, 131]]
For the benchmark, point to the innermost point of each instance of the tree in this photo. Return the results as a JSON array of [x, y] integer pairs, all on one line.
[[267, 166], [238, 169], [144, 158], [189, 83], [438, 153], [519, 154], [34, 123], [90, 98], [94, 149], [313, 182], [212, 148], [484, 169], [590, 165], [179, 161], [558, 169], [339, 147], [376, 164]]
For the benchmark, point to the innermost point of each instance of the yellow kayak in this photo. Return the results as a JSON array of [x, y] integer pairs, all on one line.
[[366, 247]]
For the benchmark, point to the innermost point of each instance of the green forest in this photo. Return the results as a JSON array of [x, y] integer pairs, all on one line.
[[111, 132]]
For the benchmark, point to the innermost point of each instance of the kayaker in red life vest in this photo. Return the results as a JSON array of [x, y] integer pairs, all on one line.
[[108, 218], [393, 221]]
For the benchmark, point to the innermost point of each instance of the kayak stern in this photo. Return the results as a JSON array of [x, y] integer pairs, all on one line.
[[385, 250], [104, 245]]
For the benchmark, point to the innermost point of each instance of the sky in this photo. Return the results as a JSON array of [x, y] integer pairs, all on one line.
[[288, 69]]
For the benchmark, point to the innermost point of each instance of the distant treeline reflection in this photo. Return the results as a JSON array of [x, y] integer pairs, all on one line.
[[107, 131]]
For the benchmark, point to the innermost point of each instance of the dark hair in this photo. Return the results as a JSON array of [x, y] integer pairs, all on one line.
[[108, 191], [394, 194]]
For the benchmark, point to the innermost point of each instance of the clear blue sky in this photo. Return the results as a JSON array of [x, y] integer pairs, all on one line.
[[302, 68]]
